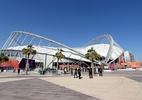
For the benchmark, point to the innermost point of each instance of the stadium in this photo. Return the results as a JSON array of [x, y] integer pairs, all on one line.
[[46, 49]]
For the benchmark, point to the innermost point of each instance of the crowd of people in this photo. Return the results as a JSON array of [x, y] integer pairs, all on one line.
[[77, 72]]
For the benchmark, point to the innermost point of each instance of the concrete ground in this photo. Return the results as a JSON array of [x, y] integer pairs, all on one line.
[[117, 85]]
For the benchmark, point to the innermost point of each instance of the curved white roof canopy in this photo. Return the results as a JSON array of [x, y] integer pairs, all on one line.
[[104, 45]]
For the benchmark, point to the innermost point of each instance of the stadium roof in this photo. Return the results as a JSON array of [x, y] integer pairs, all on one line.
[[104, 45]]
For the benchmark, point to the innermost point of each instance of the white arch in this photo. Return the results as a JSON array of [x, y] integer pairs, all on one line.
[[16, 38], [111, 43]]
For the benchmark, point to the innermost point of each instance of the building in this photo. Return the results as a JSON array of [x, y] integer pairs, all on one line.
[[46, 49]]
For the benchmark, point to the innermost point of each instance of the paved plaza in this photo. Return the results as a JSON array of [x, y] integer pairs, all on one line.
[[117, 85]]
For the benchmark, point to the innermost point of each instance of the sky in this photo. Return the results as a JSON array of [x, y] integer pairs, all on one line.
[[75, 22]]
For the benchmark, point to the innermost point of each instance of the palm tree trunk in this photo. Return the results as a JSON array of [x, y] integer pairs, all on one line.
[[27, 66], [92, 66], [57, 65]]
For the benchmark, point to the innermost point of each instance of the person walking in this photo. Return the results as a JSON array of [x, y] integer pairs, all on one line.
[[65, 70], [100, 71], [71, 71], [75, 73], [18, 72], [79, 73]]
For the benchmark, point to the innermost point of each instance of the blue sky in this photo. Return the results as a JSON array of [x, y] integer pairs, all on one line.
[[75, 22]]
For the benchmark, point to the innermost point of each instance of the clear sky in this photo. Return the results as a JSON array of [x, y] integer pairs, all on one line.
[[75, 22]]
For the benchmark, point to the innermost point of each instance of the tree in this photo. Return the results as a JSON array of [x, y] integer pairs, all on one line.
[[3, 58], [28, 51], [59, 56], [92, 55]]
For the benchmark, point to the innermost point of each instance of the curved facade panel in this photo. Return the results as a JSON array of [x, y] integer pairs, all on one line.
[[46, 48]]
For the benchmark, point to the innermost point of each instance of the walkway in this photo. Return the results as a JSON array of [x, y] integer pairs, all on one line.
[[38, 87]]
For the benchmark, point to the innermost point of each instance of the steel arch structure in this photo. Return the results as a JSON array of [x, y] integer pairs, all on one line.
[[13, 35], [113, 46], [48, 47]]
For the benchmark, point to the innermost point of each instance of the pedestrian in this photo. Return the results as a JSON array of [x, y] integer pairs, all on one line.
[[79, 73], [65, 70], [71, 71], [100, 71], [75, 73], [18, 72], [2, 69]]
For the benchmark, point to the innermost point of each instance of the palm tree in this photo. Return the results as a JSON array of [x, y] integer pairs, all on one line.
[[59, 56], [92, 55], [28, 51], [3, 58]]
